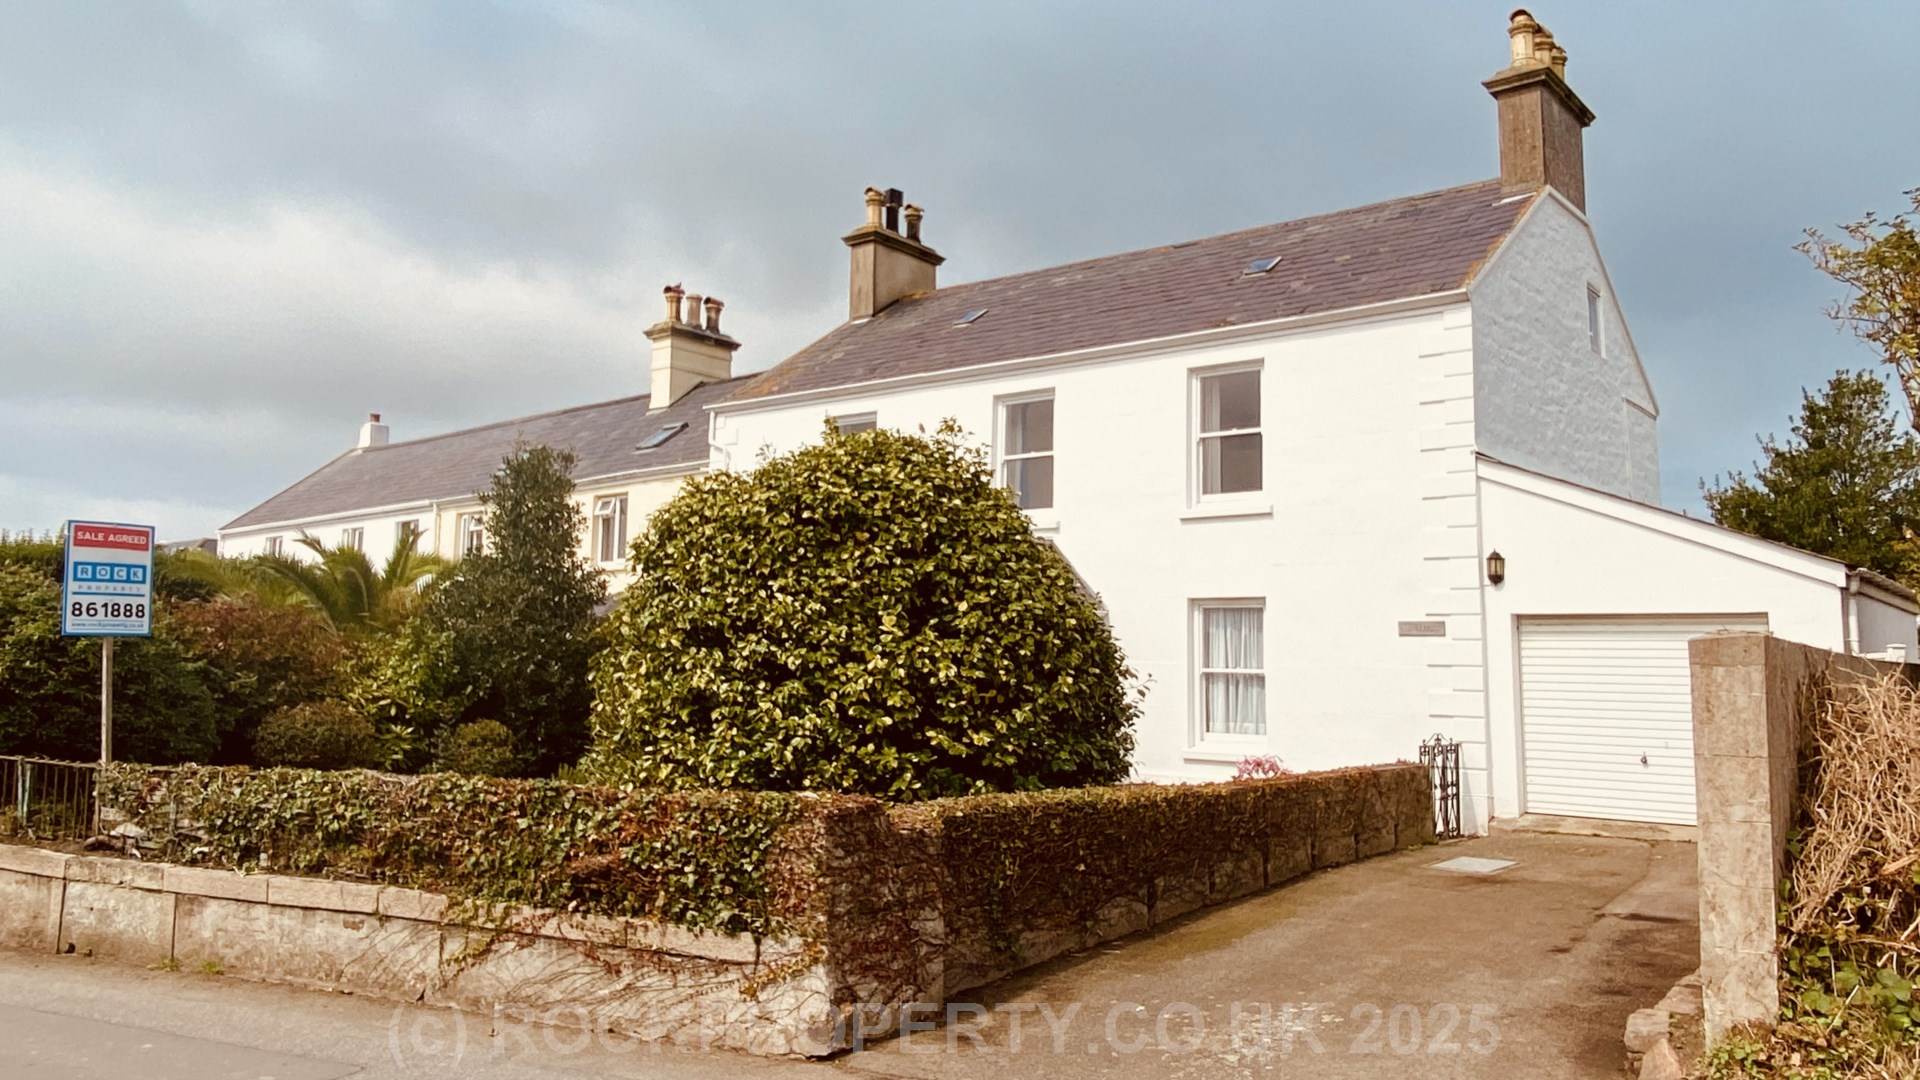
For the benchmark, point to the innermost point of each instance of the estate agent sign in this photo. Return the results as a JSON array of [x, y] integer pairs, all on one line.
[[107, 592], [108, 588]]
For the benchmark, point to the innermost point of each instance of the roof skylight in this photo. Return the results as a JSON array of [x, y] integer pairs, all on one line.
[[969, 316], [1261, 265], [660, 436]]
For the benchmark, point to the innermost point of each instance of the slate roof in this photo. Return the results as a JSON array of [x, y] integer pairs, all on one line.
[[461, 463], [1408, 247]]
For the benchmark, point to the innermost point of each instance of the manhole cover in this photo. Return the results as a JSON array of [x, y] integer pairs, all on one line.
[[1468, 864]]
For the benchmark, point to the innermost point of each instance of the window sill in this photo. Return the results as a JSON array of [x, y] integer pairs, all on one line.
[[1043, 523], [1221, 756], [1212, 511]]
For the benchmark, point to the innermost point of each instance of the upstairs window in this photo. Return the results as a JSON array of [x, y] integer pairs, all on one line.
[[610, 529], [853, 422], [1232, 665], [472, 530], [1227, 448], [1593, 321], [354, 539], [410, 533], [270, 546], [1026, 451]]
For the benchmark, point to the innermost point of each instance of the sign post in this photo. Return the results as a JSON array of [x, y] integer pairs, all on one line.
[[107, 592]]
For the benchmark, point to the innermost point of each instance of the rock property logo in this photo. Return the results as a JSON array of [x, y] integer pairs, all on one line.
[[1242, 1032]]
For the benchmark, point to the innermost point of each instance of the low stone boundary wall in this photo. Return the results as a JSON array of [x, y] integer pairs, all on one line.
[[1755, 701], [908, 906], [639, 978]]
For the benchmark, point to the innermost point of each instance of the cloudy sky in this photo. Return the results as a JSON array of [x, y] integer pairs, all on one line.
[[229, 231]]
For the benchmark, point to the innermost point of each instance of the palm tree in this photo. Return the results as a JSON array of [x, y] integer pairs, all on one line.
[[343, 586], [229, 577]]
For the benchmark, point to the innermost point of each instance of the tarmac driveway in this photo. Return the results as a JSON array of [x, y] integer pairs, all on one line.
[[1386, 968]]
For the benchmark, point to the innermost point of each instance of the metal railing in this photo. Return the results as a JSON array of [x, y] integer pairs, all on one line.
[[1441, 756], [47, 800]]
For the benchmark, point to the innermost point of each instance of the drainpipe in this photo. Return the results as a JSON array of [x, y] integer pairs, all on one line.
[[1850, 609]]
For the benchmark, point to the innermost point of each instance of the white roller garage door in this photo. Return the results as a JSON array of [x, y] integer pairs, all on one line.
[[1607, 715]]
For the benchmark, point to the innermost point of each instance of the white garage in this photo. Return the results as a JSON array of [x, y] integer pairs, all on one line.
[[1606, 715], [1588, 696]]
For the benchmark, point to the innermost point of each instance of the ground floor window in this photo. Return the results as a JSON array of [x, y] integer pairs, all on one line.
[[1231, 658]]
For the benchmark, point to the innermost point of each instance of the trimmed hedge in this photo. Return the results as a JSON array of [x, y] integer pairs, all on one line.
[[737, 862], [973, 887], [1060, 862]]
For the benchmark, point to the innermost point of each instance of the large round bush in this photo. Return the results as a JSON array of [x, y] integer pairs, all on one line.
[[871, 614], [477, 748], [317, 735]]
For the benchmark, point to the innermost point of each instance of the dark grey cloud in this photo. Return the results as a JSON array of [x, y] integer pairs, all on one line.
[[228, 230]]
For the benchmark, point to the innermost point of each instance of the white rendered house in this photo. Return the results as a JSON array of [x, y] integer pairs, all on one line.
[[1287, 457]]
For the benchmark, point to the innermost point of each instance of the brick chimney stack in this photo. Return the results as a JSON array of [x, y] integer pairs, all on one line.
[[1541, 118], [688, 351], [888, 265]]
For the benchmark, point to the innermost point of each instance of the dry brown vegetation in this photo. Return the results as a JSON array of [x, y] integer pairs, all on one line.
[[1856, 876]]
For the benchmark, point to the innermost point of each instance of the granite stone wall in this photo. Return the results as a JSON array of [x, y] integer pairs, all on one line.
[[1755, 698]]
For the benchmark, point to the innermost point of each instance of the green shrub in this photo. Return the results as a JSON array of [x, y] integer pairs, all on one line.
[[46, 556], [317, 735], [507, 634], [872, 615], [735, 862], [477, 748], [406, 679], [257, 659], [50, 685]]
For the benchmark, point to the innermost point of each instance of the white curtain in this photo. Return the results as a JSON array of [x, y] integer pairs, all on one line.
[[1236, 699]]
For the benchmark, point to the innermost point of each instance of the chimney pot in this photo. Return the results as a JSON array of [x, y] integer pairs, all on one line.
[[876, 200], [1543, 47], [673, 294], [1559, 61], [914, 214], [693, 310], [1521, 29], [714, 307], [373, 417]]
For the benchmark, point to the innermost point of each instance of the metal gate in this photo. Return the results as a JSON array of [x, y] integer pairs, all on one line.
[[46, 800], [1441, 756]]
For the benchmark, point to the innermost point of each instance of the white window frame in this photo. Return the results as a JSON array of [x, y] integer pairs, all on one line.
[[1197, 463], [410, 527], [610, 508], [1596, 321], [354, 537], [860, 421], [1002, 407], [273, 545], [1199, 736], [470, 529]]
